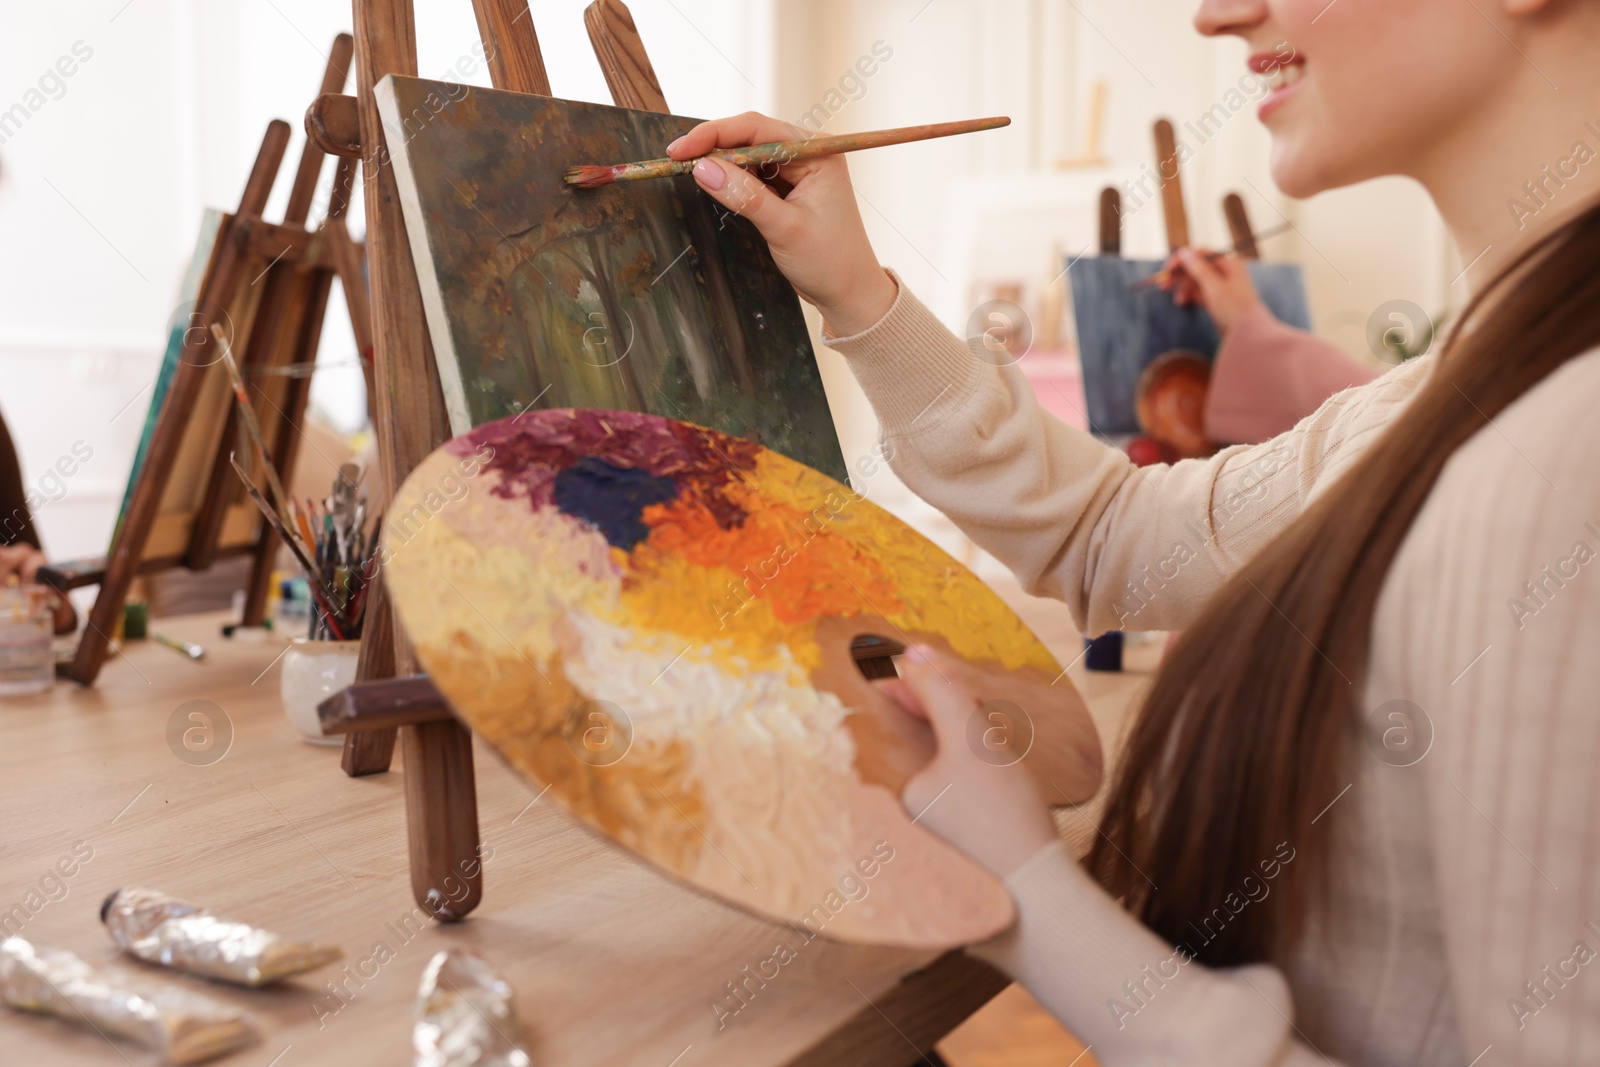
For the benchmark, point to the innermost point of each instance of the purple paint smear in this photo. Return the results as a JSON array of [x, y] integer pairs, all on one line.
[[530, 449]]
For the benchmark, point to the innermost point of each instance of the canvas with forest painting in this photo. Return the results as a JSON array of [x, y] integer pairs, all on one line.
[[644, 296]]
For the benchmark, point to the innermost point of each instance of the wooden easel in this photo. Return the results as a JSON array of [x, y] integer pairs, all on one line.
[[1176, 215], [441, 792], [295, 267], [1104, 653], [391, 699]]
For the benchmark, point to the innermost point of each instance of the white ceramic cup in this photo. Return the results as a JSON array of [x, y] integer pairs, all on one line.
[[312, 672]]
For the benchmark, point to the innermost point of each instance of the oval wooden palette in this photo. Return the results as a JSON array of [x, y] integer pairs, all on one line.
[[657, 621]]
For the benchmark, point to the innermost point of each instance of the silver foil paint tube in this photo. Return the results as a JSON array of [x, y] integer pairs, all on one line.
[[182, 1026], [465, 1015], [159, 929]]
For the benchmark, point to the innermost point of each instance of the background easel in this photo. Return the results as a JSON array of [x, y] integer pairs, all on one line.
[[1124, 327], [1176, 215], [295, 267], [1104, 653]]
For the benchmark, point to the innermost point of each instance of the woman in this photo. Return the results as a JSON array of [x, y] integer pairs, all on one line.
[[1357, 818]]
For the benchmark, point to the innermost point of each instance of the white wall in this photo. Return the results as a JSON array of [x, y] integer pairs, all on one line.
[[101, 190]]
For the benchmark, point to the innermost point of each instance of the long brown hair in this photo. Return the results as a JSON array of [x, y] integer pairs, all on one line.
[[1242, 740]]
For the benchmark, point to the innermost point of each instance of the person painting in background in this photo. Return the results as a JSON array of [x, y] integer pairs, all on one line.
[[1357, 818], [1266, 376], [21, 554]]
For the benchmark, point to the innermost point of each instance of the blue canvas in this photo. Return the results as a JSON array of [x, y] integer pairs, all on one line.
[[1121, 331]]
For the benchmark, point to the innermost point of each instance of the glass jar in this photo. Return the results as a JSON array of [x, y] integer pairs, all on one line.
[[27, 658]]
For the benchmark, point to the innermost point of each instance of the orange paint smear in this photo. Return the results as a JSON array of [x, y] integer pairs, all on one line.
[[779, 554], [808, 549]]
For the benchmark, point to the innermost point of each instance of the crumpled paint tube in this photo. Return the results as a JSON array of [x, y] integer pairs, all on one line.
[[158, 929], [182, 1026], [465, 1016]]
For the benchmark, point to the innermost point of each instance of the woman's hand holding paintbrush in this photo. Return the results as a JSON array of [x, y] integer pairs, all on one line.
[[815, 233], [1218, 282], [1173, 268]]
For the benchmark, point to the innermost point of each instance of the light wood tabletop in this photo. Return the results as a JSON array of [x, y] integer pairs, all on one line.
[[612, 962]]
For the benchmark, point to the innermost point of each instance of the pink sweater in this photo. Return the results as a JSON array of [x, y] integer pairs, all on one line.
[[1464, 926], [1268, 376]]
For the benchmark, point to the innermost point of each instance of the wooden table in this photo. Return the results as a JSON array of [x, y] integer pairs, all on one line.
[[612, 962]]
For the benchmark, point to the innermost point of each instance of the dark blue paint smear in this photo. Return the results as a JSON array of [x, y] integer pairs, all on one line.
[[612, 498]]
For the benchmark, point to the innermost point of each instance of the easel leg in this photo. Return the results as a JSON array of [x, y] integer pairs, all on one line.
[[256, 593], [1244, 238], [442, 819], [371, 751]]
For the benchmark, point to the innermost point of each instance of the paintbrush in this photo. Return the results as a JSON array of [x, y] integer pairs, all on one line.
[[313, 575], [247, 416], [778, 152], [1162, 277], [177, 644]]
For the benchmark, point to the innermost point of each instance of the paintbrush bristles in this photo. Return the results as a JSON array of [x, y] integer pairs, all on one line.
[[594, 177], [589, 176]]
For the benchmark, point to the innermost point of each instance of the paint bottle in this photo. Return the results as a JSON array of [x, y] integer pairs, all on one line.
[[1104, 653]]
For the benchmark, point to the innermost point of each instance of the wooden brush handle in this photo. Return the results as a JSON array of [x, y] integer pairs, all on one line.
[[814, 147], [781, 152]]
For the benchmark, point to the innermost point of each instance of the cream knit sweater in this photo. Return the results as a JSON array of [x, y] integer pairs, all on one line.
[[1465, 923]]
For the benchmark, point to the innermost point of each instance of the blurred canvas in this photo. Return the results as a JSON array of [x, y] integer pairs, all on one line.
[[1121, 331]]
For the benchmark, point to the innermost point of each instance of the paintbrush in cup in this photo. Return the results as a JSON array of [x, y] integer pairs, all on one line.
[[777, 153]]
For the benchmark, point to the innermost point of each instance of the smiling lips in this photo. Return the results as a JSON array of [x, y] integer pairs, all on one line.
[[1281, 77]]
